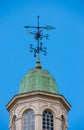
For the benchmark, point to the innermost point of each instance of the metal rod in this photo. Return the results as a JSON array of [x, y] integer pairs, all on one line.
[[38, 56]]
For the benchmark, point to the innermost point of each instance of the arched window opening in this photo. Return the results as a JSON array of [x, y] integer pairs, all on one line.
[[63, 123], [28, 120], [14, 123], [48, 120]]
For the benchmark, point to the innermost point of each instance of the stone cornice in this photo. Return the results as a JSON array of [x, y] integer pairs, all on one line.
[[39, 94]]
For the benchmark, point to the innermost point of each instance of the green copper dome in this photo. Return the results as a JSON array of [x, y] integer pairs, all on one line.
[[38, 80]]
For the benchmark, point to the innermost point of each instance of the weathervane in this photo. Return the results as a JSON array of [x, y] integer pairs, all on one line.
[[38, 36]]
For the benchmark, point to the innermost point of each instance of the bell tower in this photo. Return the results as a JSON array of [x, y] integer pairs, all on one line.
[[38, 105]]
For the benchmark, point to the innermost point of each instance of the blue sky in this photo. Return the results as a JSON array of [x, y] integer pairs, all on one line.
[[65, 58]]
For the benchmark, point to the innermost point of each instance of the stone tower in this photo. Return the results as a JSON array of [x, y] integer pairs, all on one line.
[[38, 106]]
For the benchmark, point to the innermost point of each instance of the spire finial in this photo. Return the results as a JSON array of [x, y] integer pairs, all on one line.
[[38, 36]]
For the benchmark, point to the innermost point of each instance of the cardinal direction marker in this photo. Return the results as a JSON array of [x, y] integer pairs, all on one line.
[[38, 36]]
